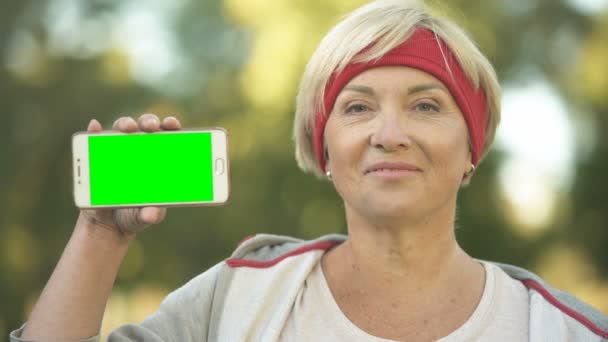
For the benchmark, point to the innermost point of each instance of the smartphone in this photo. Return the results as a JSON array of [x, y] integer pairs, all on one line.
[[169, 168]]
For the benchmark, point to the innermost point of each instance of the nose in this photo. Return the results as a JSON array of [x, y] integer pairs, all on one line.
[[390, 133]]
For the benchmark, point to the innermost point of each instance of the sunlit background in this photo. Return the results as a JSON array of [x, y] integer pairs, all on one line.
[[540, 200]]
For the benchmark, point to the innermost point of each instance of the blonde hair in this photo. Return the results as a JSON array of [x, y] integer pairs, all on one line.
[[385, 24]]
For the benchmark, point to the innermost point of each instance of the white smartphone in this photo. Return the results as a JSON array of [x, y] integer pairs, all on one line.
[[168, 168]]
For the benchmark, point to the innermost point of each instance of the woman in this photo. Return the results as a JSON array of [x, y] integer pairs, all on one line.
[[397, 107]]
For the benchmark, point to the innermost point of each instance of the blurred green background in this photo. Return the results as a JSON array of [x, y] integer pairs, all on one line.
[[539, 201]]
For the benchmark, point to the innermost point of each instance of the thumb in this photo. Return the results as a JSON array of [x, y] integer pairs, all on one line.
[[129, 220]]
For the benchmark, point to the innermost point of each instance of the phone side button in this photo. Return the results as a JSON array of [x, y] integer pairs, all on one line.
[[220, 166]]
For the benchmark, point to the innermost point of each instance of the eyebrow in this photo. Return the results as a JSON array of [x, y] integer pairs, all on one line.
[[424, 87], [360, 89], [411, 90]]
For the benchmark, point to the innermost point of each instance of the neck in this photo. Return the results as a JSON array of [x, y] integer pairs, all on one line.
[[401, 255], [392, 279]]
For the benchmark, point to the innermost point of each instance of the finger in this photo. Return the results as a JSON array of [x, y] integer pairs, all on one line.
[[171, 123], [152, 215], [94, 126], [128, 220], [163, 214], [149, 123], [125, 124]]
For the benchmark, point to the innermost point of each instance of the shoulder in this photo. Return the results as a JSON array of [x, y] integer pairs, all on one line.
[[266, 250], [548, 303], [257, 251], [259, 269], [236, 287]]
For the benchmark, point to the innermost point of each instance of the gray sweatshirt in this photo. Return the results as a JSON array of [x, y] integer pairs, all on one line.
[[249, 297]]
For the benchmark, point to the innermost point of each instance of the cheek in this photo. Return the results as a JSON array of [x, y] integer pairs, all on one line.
[[344, 164], [345, 148], [448, 154], [344, 145]]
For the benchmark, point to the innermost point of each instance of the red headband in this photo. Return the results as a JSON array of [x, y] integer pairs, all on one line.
[[420, 51]]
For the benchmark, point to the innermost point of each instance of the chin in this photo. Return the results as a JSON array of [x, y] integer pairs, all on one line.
[[387, 204], [390, 210]]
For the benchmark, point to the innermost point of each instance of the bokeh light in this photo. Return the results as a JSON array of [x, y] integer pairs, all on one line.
[[237, 64]]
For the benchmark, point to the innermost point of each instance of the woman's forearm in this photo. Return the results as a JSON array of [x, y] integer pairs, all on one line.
[[73, 301]]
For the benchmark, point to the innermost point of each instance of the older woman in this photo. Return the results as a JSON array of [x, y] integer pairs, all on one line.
[[397, 108]]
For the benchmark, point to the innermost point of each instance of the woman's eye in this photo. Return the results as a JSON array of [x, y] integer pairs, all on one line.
[[427, 107], [356, 108]]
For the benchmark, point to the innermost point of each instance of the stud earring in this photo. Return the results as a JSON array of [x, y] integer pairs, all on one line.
[[470, 171], [328, 174]]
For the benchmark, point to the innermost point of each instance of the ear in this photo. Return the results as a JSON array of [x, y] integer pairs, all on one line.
[[327, 159], [469, 169], [326, 152]]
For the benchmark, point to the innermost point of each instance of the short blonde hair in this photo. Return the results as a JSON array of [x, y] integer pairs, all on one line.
[[385, 24]]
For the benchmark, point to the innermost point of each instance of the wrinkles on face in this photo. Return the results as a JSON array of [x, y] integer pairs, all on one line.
[[398, 115], [394, 107], [447, 119]]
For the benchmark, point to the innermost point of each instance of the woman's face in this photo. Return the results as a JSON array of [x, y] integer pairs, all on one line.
[[397, 144]]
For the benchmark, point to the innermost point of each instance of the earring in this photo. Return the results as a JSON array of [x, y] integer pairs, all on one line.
[[328, 174], [470, 171]]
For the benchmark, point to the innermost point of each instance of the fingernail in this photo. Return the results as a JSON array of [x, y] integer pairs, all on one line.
[[153, 121], [92, 122]]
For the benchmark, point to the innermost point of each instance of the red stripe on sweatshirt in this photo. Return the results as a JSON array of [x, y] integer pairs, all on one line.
[[323, 245], [533, 284]]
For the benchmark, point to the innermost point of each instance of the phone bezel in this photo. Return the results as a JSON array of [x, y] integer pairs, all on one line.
[[81, 183]]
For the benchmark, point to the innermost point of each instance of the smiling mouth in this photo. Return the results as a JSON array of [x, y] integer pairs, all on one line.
[[391, 171], [391, 168]]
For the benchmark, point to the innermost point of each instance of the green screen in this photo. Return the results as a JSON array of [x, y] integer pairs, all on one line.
[[150, 168]]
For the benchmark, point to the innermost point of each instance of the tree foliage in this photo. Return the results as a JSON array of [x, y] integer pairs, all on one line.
[[236, 64]]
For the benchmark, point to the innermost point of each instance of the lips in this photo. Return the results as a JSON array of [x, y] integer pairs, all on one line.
[[392, 167]]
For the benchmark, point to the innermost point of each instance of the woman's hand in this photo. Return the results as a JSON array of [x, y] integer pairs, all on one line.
[[82, 281], [126, 223]]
